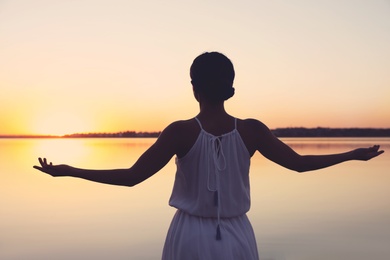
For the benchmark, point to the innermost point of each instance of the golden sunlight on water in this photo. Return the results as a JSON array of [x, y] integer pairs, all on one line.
[[64, 218], [339, 213]]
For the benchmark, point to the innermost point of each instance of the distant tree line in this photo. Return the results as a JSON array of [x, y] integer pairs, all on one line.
[[279, 132], [331, 132], [114, 135]]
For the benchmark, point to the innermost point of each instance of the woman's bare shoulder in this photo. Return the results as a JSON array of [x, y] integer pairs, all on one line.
[[252, 125], [183, 134], [183, 126], [253, 132]]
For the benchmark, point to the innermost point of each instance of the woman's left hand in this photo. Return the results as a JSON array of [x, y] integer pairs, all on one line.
[[365, 154]]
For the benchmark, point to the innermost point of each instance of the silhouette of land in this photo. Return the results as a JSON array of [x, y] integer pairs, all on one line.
[[115, 135], [331, 132], [279, 132]]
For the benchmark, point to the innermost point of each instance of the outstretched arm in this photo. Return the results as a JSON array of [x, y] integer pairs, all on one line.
[[155, 158], [280, 153]]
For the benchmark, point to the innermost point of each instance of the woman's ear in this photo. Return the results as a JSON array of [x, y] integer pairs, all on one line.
[[196, 95]]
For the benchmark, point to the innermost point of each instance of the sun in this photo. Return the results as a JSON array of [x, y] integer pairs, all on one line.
[[60, 123]]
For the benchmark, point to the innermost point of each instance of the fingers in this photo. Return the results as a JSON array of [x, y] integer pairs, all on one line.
[[374, 151], [44, 163], [375, 147], [368, 153], [44, 166], [41, 162]]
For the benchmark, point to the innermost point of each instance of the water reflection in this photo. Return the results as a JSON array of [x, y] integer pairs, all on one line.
[[334, 144], [336, 213]]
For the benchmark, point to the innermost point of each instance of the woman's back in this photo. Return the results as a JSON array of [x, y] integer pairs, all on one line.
[[212, 178], [212, 195], [188, 131]]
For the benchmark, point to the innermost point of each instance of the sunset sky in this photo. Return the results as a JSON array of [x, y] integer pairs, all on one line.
[[108, 66]]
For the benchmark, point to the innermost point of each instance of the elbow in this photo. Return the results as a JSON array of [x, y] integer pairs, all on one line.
[[301, 170], [132, 178], [302, 167], [295, 168], [128, 183], [294, 162], [127, 178], [299, 166], [132, 183]]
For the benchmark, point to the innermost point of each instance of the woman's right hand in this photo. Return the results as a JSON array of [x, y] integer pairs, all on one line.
[[53, 170]]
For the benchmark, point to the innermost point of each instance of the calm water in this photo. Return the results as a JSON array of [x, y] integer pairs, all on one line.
[[338, 213]]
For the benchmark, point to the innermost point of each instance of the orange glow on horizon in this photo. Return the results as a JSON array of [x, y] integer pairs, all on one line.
[[59, 124], [110, 68]]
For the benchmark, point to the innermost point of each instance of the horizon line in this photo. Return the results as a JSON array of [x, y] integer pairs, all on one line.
[[279, 131]]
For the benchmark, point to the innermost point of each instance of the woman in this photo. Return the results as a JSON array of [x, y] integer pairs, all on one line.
[[213, 151]]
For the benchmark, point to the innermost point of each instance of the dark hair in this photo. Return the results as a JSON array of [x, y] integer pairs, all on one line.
[[212, 75]]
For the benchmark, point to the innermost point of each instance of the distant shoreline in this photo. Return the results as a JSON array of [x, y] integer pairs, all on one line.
[[279, 132], [331, 132]]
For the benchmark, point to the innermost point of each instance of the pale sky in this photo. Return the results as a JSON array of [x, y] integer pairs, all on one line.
[[108, 66]]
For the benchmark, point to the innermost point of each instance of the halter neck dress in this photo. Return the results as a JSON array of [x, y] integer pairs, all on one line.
[[211, 194]]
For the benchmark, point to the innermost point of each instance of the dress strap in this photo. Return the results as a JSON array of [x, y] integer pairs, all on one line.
[[197, 120], [235, 123]]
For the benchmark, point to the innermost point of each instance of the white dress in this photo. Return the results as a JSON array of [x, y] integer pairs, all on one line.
[[211, 193]]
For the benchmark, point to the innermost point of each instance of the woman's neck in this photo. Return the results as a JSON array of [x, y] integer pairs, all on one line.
[[212, 110]]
